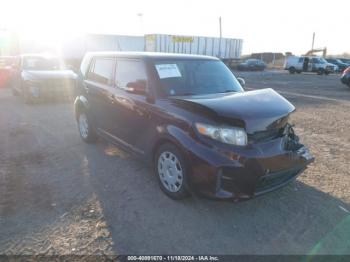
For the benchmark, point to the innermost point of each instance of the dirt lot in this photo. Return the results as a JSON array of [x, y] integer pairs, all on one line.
[[61, 196]]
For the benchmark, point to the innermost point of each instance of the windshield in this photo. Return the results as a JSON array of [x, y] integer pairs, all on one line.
[[195, 77], [42, 63], [338, 61], [322, 60]]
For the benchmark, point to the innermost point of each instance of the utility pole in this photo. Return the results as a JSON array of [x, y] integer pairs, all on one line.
[[313, 41], [220, 28], [140, 15]]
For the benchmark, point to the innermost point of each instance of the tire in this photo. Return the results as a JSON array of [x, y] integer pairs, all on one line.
[[171, 170], [298, 72], [320, 71], [292, 70], [327, 73], [85, 127]]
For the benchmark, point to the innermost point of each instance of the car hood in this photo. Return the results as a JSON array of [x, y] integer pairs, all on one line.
[[256, 111], [48, 74]]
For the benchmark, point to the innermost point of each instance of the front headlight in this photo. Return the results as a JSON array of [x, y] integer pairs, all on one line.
[[229, 135]]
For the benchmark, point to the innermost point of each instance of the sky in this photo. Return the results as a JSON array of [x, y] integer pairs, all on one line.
[[264, 26]]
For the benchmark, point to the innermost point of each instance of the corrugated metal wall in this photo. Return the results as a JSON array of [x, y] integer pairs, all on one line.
[[76, 48], [212, 46]]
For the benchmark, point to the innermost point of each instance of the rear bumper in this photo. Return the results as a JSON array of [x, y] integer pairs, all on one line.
[[240, 175]]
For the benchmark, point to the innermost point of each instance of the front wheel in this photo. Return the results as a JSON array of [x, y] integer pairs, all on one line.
[[292, 70], [86, 129], [171, 171]]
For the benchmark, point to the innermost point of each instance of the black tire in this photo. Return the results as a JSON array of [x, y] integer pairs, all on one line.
[[182, 191], [292, 70], [327, 73], [90, 135], [320, 71], [298, 72]]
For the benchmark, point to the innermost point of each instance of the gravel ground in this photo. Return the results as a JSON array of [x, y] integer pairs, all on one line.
[[61, 196]]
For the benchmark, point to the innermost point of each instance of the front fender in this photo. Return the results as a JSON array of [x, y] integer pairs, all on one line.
[[194, 149], [80, 103]]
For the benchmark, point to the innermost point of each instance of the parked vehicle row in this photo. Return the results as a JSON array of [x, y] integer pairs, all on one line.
[[341, 66], [201, 131]]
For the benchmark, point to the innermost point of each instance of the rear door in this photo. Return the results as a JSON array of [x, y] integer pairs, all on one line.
[[132, 123], [99, 89]]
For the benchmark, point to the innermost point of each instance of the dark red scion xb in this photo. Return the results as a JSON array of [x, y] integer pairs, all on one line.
[[190, 117]]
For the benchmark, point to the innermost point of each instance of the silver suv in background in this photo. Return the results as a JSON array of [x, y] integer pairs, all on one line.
[[298, 64]]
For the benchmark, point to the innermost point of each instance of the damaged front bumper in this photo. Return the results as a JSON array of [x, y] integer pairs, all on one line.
[[243, 173]]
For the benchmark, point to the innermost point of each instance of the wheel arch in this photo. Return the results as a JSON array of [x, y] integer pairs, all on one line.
[[80, 104], [162, 141], [176, 136]]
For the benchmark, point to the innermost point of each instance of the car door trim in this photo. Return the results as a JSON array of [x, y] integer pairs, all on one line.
[[120, 141]]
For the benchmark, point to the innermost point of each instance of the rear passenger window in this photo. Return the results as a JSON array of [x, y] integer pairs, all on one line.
[[131, 73], [102, 71]]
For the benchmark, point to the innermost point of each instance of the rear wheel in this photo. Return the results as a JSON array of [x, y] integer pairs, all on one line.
[[320, 71], [171, 171], [86, 129], [292, 70]]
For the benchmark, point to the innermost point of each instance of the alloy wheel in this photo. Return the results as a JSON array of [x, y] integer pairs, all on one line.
[[83, 125]]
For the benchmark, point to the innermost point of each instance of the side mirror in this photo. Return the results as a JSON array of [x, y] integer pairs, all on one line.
[[241, 81]]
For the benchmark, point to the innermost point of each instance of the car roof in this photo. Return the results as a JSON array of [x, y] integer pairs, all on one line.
[[151, 55]]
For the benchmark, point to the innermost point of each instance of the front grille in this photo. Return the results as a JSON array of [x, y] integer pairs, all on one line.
[[55, 88], [266, 135], [58, 83]]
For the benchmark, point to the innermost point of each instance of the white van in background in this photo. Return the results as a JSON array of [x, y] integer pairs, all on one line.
[[298, 64]]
